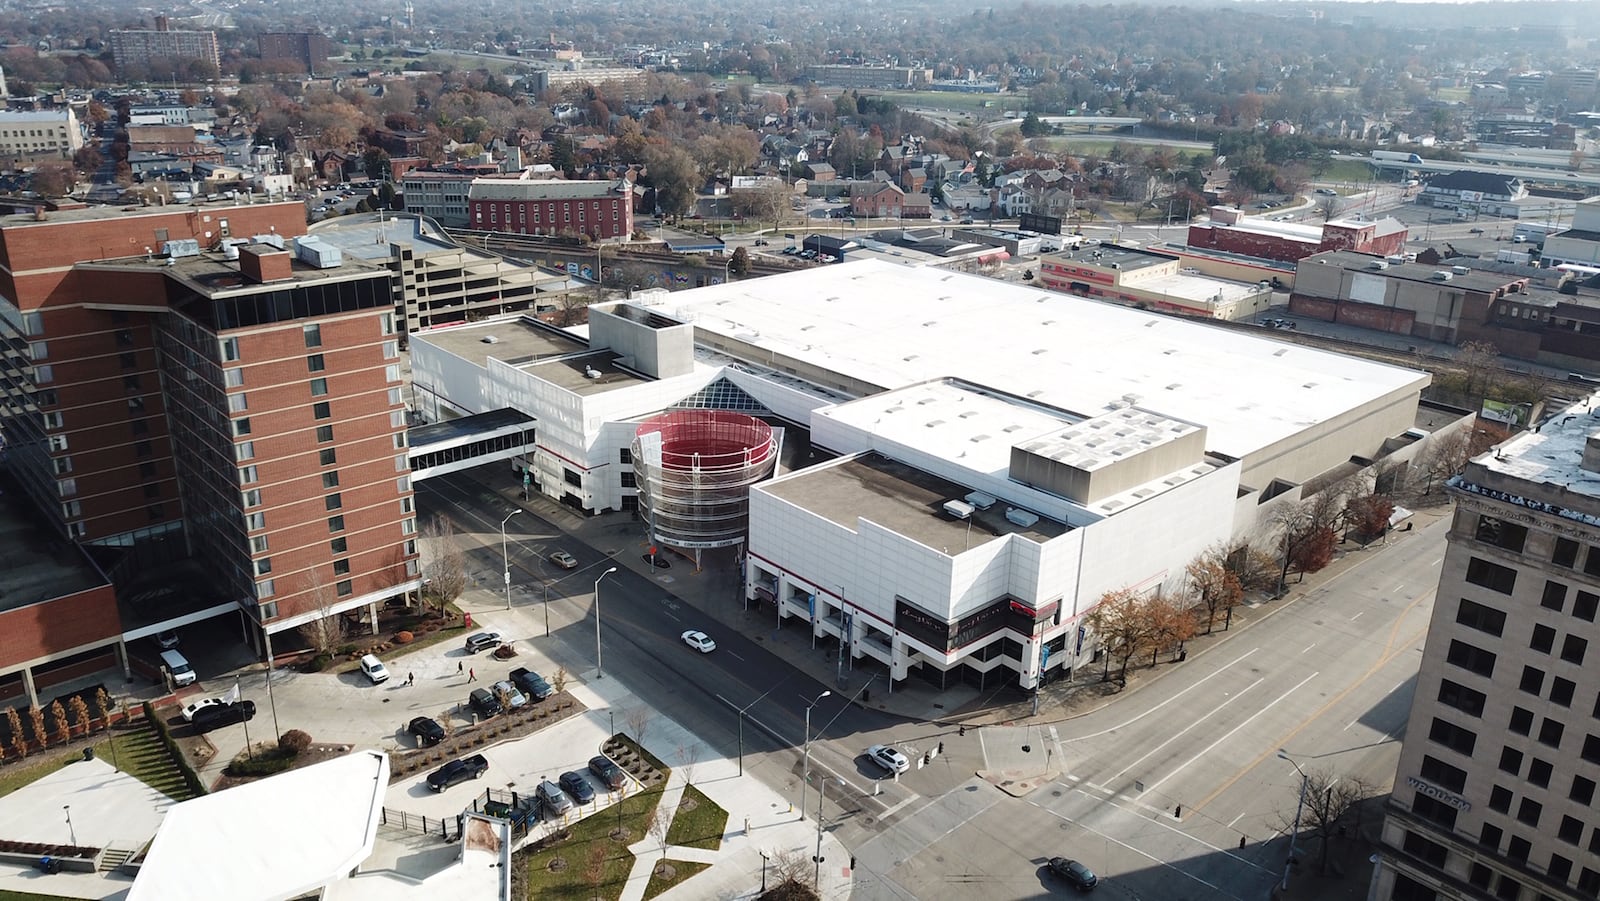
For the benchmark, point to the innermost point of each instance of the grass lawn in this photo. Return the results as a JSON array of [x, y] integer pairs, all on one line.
[[590, 848], [681, 870], [701, 827], [1347, 170]]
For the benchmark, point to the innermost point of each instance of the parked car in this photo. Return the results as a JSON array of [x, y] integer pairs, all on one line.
[[608, 772], [167, 639], [194, 706], [1076, 874], [575, 785], [531, 683], [483, 641], [484, 703], [552, 797], [1474, 230], [513, 698], [374, 669], [1328, 191], [459, 770], [564, 560], [215, 716], [427, 731], [889, 758], [700, 641]]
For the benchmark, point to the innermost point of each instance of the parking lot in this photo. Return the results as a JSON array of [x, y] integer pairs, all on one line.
[[348, 709], [519, 766]]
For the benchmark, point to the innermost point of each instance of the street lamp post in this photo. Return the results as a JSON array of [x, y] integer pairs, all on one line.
[[816, 876], [598, 672], [805, 767], [1293, 833], [742, 712], [505, 555]]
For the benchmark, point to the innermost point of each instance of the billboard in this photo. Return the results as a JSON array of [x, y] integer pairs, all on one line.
[[1512, 415], [1044, 225]]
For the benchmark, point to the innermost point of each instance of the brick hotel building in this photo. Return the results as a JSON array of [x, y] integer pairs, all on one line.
[[599, 209], [173, 388]]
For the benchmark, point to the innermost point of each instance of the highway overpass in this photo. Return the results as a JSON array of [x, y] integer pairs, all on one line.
[[1524, 172]]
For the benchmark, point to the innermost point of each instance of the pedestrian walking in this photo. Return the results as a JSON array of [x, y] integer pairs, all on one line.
[[472, 675], [411, 678], [459, 667]]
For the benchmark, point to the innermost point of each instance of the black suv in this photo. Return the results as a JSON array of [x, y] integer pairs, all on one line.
[[215, 716], [532, 684], [427, 731], [458, 771], [608, 772], [484, 703]]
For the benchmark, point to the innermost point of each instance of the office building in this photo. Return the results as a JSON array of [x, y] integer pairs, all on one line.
[[54, 132], [902, 77], [143, 47], [1495, 791], [307, 48]]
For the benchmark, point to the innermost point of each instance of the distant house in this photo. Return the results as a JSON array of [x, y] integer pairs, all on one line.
[[821, 172], [879, 200], [917, 206]]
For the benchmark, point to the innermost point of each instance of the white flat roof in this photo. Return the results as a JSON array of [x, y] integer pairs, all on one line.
[[278, 838], [894, 326], [1099, 442], [952, 421], [1553, 455], [1198, 288]]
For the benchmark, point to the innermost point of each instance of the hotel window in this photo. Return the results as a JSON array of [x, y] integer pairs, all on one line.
[[387, 320], [322, 410], [339, 545], [39, 350], [258, 544], [393, 373], [229, 349], [333, 501], [252, 498], [324, 434], [336, 523], [341, 567], [58, 442], [313, 334], [233, 378], [330, 480], [255, 521], [344, 588], [43, 374], [263, 566], [244, 450], [319, 387], [265, 589], [391, 350], [315, 363], [247, 474], [241, 427], [238, 403], [327, 457]]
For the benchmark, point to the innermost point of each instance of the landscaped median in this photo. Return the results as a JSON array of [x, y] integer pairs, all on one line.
[[520, 722]]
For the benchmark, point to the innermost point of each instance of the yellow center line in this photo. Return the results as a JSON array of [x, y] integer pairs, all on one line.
[[1390, 651]]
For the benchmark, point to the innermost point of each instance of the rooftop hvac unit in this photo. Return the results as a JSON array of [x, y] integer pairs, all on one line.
[[318, 253], [958, 509], [1460, 270], [1441, 276], [980, 501], [1021, 517], [490, 339], [589, 372], [273, 239], [1377, 264], [183, 247]]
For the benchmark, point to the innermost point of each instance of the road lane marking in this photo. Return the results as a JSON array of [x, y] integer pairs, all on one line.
[[1151, 857], [1229, 734], [735, 656], [1308, 647], [1198, 720], [1357, 616], [1123, 725], [1390, 651]]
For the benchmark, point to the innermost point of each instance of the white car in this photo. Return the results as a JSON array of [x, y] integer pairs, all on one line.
[[889, 758], [700, 641], [514, 698], [191, 707], [374, 669]]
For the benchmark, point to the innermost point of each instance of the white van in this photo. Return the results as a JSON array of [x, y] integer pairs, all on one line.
[[182, 672]]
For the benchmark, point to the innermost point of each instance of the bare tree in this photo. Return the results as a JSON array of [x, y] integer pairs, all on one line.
[[1327, 205], [1325, 803], [595, 867], [1446, 456], [322, 632], [688, 761], [1477, 358], [559, 680], [660, 824], [19, 742], [638, 720], [1218, 589], [444, 566]]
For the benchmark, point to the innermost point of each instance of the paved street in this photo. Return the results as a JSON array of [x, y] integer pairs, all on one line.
[[1325, 675]]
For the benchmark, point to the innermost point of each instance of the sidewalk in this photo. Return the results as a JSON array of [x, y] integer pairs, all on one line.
[[760, 821], [715, 592]]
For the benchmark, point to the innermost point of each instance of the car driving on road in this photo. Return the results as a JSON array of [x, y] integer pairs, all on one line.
[[889, 758], [564, 560], [483, 641], [1074, 874], [700, 641]]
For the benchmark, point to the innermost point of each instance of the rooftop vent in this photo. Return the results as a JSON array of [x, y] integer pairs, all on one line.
[[183, 247], [980, 500], [1377, 264], [1460, 270], [589, 372], [1021, 517], [1442, 276], [958, 509], [490, 339]]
